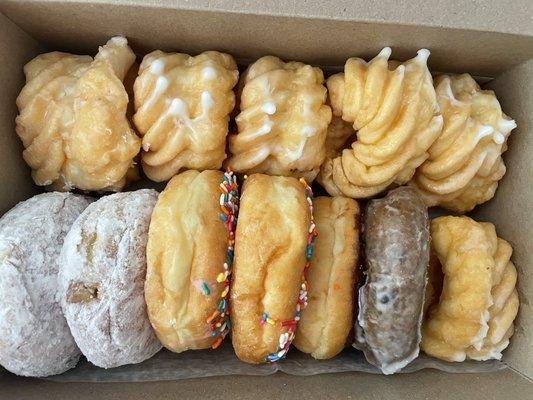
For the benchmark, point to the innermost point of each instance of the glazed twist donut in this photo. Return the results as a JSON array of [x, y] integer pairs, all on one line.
[[283, 120], [396, 115], [505, 302], [465, 164], [72, 119], [182, 108], [478, 303]]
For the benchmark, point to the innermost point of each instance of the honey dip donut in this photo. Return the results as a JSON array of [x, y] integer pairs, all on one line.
[[102, 273], [393, 108], [282, 121], [473, 316], [465, 163], [182, 108], [396, 234], [189, 257], [35, 339], [333, 274], [72, 119], [273, 246]]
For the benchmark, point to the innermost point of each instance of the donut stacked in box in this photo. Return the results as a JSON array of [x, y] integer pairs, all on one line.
[[236, 245]]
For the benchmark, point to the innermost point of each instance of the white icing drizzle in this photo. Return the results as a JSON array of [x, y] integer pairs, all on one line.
[[209, 73], [263, 130], [483, 131], [506, 125], [161, 85], [422, 56], [157, 67], [308, 131], [269, 108], [385, 53], [176, 107], [498, 138], [179, 109]]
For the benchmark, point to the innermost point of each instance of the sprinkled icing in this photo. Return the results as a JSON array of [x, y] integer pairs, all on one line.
[[285, 339], [219, 322]]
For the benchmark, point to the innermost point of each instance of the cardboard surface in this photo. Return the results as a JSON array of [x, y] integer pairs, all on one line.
[[482, 15], [486, 38], [16, 49], [427, 384], [79, 26]]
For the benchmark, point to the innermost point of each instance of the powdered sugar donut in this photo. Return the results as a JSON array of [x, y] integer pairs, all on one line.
[[34, 336], [103, 267]]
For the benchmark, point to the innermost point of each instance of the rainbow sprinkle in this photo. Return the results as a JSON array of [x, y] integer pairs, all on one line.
[[219, 322], [286, 338]]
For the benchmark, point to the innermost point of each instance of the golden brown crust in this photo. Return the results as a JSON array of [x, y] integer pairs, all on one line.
[[394, 109], [459, 320], [444, 327], [73, 122], [270, 256], [465, 163], [282, 121], [182, 106], [186, 249], [328, 317]]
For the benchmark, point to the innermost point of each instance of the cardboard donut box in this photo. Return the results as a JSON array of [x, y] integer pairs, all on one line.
[[492, 40]]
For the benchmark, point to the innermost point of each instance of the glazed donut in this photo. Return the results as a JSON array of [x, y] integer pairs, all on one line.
[[394, 110], [101, 280], [333, 274], [34, 336], [189, 263], [465, 163], [72, 119], [473, 316], [273, 239], [396, 234], [282, 121], [182, 108]]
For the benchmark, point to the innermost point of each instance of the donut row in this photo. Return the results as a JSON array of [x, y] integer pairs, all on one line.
[[85, 123], [118, 278]]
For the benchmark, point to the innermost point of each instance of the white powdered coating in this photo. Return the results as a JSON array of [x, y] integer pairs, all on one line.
[[104, 254], [35, 339]]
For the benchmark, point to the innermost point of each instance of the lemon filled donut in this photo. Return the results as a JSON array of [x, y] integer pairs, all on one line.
[[391, 302], [465, 163], [282, 121], [182, 106], [72, 119], [332, 279], [473, 316], [190, 253], [273, 247], [393, 108]]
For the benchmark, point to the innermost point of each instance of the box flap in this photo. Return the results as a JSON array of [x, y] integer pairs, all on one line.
[[78, 26], [488, 16]]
